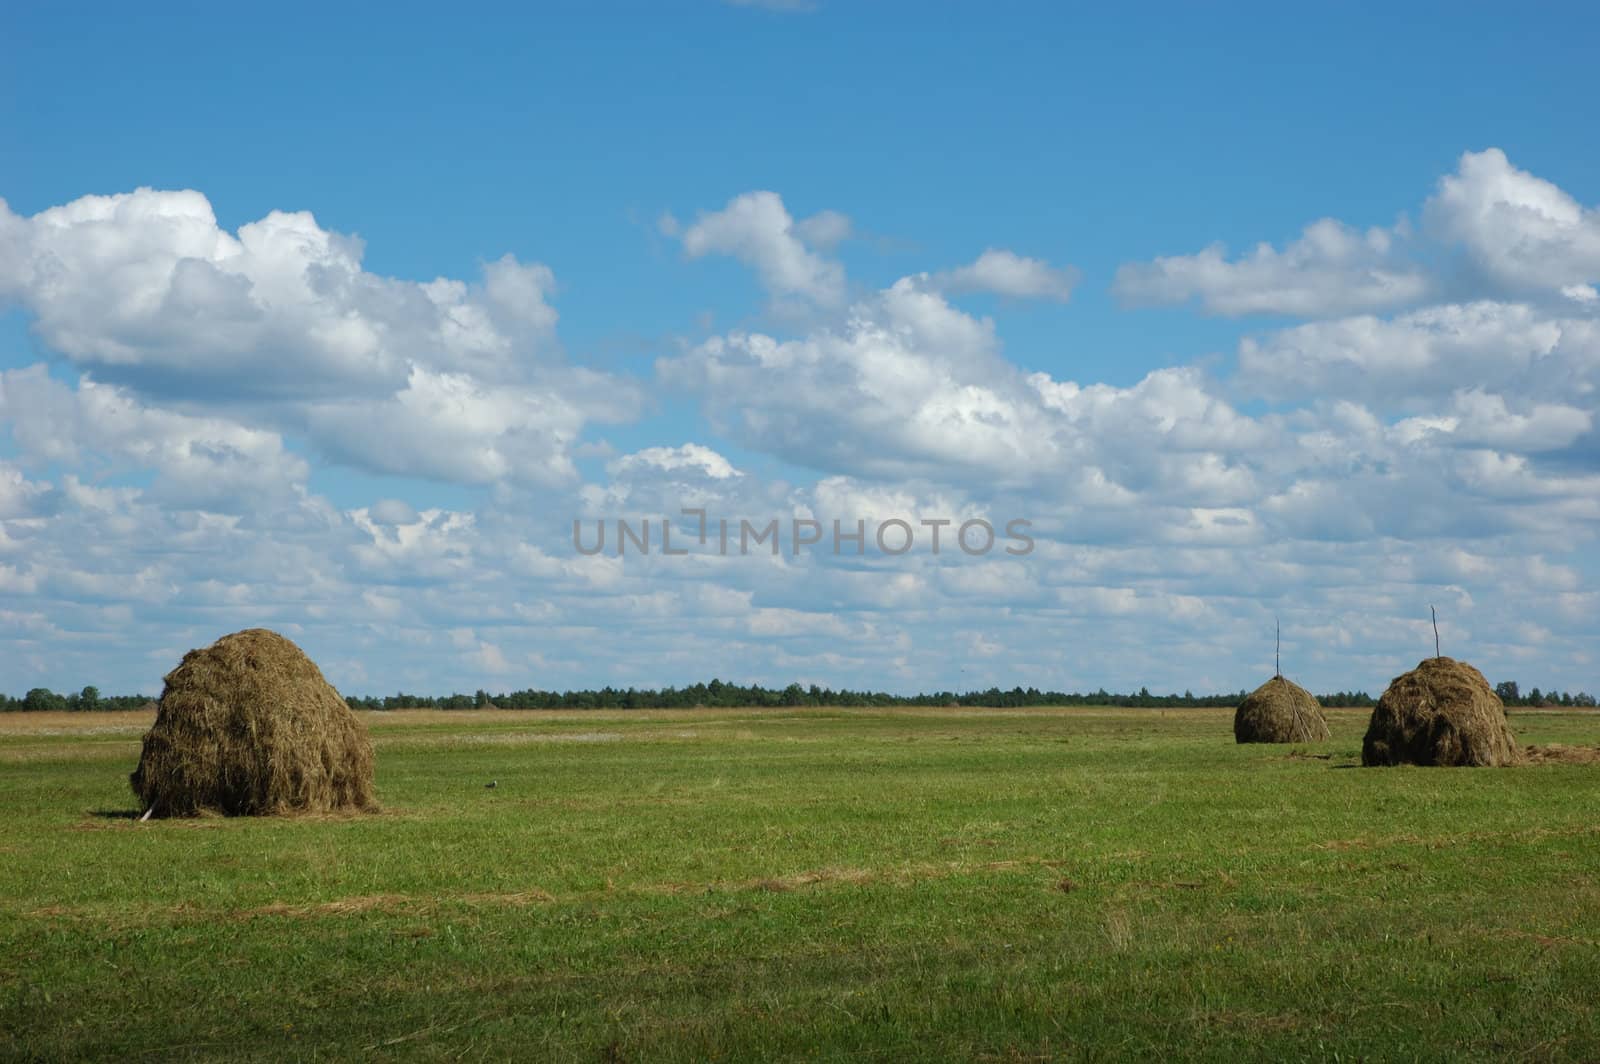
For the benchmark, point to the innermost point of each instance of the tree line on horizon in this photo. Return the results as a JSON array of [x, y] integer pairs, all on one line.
[[718, 694], [729, 695]]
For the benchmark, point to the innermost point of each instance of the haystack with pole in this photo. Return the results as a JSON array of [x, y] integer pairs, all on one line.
[[249, 726], [1279, 711], [1443, 712]]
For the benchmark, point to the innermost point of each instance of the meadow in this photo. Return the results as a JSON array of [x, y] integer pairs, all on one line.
[[1017, 885]]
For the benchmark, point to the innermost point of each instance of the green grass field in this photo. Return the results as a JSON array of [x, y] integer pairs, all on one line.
[[872, 885]]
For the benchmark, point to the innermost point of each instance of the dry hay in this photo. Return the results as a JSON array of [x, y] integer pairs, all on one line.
[[1559, 754], [248, 726], [1279, 711], [1443, 712]]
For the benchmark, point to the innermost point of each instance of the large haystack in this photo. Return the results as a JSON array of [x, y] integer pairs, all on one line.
[[248, 726], [1443, 712], [1279, 711]]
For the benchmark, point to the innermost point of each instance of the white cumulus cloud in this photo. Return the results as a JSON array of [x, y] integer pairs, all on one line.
[[757, 229], [1330, 269], [1006, 273], [447, 379], [1521, 236], [1523, 231]]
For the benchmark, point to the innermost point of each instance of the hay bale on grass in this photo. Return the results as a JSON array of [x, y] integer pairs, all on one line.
[[1443, 712], [248, 726], [1279, 711]]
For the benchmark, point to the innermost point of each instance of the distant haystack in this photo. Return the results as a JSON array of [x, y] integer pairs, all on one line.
[[1443, 712], [249, 726], [1279, 711]]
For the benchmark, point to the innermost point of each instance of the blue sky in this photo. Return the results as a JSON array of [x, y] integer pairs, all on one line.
[[1392, 409]]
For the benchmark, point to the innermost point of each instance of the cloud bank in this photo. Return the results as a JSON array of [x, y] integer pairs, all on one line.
[[1422, 430]]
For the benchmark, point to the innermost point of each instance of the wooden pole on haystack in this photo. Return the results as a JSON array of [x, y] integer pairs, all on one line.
[[1435, 614], [1277, 649]]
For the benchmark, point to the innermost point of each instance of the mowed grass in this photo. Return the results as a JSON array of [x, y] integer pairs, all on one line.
[[864, 885]]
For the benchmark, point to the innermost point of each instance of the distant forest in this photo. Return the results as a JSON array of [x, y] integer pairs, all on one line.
[[717, 693]]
